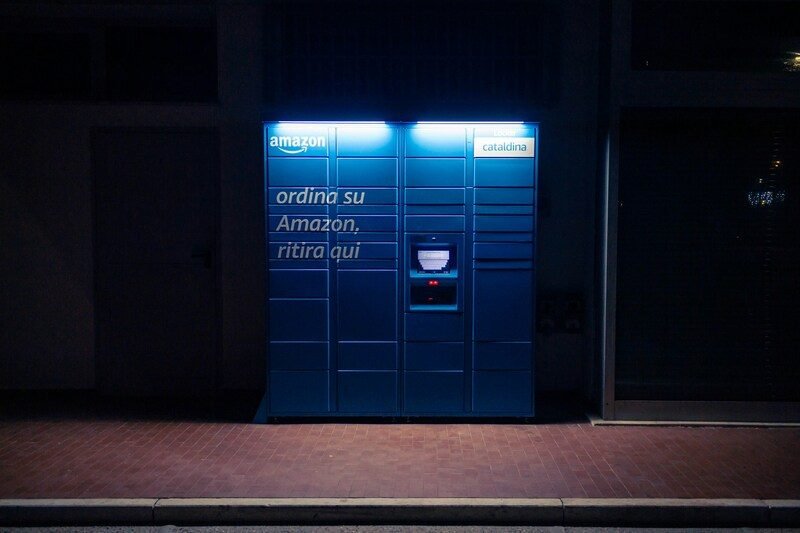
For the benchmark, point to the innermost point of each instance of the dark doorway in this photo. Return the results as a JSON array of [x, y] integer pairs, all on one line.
[[155, 200], [709, 255]]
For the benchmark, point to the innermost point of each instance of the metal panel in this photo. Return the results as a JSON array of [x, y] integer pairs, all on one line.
[[502, 392], [367, 355], [367, 172], [298, 320], [507, 196], [431, 172], [431, 196], [503, 223], [378, 140], [436, 140], [434, 356], [287, 172], [502, 305], [434, 392], [503, 356], [502, 172], [367, 304], [434, 327], [434, 223], [503, 251], [367, 392], [298, 392], [299, 355]]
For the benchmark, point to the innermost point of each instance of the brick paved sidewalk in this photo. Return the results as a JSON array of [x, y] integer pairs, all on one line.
[[108, 458]]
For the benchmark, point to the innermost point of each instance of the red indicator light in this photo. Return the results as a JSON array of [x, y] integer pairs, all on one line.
[[433, 282]]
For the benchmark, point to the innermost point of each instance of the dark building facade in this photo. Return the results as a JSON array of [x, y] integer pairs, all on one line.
[[668, 151]]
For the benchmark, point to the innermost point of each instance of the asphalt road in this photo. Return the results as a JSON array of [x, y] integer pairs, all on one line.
[[371, 529]]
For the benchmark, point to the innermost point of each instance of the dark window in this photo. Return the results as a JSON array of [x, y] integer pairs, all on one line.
[[709, 256], [716, 36], [45, 65], [161, 64], [423, 57]]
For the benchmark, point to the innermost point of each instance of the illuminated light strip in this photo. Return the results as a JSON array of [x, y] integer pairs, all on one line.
[[467, 123], [332, 122], [378, 122]]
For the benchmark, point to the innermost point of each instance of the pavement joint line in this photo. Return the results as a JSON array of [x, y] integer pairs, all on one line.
[[535, 511]]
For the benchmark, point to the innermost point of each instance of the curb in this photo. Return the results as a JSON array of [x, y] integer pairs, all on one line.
[[76, 511], [662, 512], [353, 511], [359, 511]]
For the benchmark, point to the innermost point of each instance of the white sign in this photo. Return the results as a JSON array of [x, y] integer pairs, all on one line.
[[503, 146]]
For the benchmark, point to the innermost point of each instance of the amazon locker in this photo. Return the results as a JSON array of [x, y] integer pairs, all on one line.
[[401, 268]]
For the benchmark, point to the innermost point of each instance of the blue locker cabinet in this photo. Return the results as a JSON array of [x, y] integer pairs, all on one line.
[[400, 269]]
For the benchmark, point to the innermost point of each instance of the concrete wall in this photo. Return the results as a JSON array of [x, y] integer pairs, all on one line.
[[46, 230], [46, 268]]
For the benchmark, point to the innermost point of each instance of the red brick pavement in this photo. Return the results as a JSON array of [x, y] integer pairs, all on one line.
[[107, 458]]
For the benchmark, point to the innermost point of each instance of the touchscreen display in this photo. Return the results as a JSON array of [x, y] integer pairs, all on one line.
[[433, 260]]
